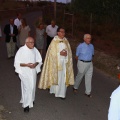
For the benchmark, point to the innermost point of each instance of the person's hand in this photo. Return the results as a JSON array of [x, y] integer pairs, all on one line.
[[63, 52], [31, 65], [76, 57]]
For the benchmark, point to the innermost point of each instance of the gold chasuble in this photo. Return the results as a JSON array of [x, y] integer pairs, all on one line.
[[51, 66]]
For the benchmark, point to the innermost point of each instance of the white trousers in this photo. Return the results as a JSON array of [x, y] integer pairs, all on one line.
[[11, 48], [84, 69], [60, 89], [28, 88]]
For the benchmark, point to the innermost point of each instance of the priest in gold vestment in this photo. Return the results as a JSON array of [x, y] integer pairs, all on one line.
[[57, 73]]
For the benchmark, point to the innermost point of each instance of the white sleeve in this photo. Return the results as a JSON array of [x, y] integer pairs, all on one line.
[[113, 113], [17, 62], [39, 60], [15, 23], [47, 29]]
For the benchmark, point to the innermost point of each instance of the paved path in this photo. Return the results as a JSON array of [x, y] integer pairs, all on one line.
[[47, 107]]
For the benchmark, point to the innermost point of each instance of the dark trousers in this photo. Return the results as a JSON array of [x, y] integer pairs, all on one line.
[[48, 41]]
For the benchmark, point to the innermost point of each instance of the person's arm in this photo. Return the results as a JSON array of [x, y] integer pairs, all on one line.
[[16, 31], [30, 65], [76, 57], [46, 30], [35, 64], [77, 53], [24, 65]]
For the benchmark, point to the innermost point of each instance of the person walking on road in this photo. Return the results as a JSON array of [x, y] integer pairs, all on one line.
[[51, 31], [40, 37], [11, 32], [57, 72], [27, 64], [24, 32], [84, 55]]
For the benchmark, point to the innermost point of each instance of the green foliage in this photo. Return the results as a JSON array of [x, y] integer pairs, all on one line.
[[99, 7]]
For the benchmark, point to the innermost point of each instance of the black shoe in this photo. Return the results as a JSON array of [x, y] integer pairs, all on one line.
[[62, 98], [88, 95], [26, 109]]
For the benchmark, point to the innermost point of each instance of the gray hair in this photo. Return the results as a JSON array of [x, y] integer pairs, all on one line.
[[85, 35]]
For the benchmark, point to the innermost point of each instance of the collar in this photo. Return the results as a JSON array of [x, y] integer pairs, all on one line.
[[86, 43], [59, 39]]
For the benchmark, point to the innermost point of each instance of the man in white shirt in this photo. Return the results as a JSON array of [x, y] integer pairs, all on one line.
[[51, 31], [27, 64], [17, 22]]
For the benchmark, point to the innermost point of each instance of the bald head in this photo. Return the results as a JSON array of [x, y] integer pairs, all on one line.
[[87, 38], [28, 39], [29, 42]]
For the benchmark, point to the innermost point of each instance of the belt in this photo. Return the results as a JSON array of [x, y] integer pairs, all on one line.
[[85, 61]]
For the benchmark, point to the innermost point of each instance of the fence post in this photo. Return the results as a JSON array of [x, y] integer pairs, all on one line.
[[65, 13]]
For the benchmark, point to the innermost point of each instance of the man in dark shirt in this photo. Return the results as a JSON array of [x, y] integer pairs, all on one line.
[[11, 32]]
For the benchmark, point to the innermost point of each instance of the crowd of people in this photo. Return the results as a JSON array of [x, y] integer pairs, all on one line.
[[57, 72]]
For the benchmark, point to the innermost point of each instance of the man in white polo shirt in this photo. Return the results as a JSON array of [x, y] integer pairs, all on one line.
[[51, 31], [17, 21]]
